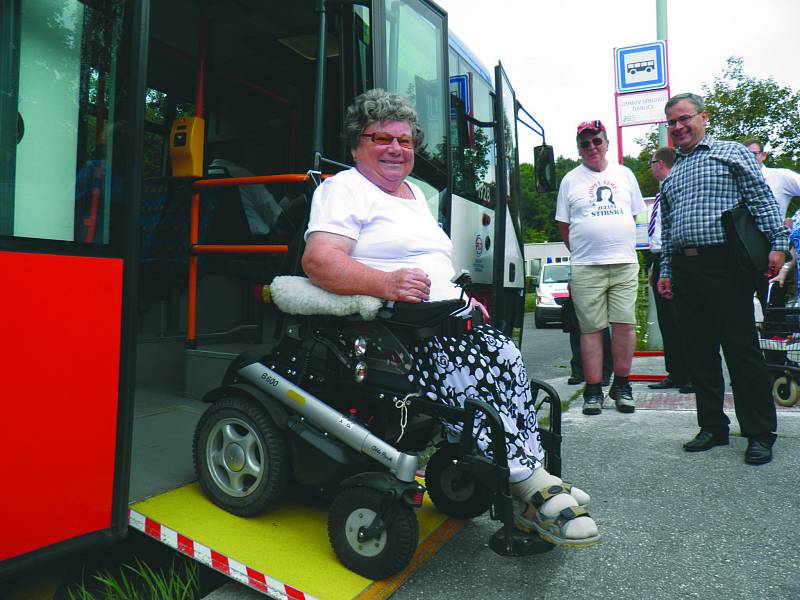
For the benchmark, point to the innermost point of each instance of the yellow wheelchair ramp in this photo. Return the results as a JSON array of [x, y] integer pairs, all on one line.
[[283, 553]]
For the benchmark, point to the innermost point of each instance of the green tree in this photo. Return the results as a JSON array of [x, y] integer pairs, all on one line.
[[740, 106], [538, 209]]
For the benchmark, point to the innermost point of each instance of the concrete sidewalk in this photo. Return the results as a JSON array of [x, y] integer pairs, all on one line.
[[674, 524]]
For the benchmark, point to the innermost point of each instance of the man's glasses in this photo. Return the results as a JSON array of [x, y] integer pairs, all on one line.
[[586, 143], [654, 161], [381, 138], [683, 120], [756, 152]]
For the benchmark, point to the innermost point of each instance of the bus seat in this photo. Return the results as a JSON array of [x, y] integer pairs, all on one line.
[[230, 225], [164, 220]]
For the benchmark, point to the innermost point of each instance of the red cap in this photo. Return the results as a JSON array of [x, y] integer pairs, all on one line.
[[591, 126]]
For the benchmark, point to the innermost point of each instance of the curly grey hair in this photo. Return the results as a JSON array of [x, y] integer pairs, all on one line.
[[376, 106], [699, 105]]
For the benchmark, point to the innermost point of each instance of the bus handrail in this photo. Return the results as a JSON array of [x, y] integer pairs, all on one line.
[[195, 248]]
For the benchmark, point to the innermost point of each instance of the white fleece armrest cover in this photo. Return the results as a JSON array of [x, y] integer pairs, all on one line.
[[298, 296]]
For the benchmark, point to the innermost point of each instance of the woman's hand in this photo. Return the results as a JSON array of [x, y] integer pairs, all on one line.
[[475, 304], [408, 285]]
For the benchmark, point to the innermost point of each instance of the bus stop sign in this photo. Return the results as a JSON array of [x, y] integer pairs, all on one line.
[[642, 67]]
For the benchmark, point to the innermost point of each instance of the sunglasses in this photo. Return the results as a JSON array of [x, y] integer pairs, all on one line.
[[381, 138], [586, 143]]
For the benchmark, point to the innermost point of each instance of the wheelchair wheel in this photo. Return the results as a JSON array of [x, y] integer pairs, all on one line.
[[240, 456], [452, 491], [352, 511], [785, 390]]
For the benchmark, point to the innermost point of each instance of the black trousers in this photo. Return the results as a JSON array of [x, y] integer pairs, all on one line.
[[714, 303], [576, 362], [675, 357]]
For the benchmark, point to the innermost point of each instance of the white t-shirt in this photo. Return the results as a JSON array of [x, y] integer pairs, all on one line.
[[391, 233], [599, 208], [785, 185]]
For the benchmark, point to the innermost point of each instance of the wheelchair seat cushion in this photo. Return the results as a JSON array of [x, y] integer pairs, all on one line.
[[298, 296]]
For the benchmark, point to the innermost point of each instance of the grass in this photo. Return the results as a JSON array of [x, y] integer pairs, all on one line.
[[140, 582], [530, 302]]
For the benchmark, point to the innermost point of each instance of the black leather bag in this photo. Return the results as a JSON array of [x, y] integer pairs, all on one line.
[[748, 243]]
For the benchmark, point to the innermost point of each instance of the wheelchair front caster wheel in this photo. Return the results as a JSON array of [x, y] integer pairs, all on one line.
[[785, 390], [352, 513], [454, 491]]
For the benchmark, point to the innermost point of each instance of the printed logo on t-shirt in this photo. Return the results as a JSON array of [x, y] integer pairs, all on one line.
[[602, 199]]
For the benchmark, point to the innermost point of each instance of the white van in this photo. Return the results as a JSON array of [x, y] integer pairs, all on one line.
[[551, 293]]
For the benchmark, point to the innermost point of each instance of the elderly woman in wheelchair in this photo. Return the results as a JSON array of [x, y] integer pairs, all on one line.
[[384, 382]]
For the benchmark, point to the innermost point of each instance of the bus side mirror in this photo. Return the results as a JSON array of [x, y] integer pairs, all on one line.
[[544, 168]]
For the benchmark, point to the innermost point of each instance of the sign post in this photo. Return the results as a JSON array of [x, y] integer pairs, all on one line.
[[642, 86]]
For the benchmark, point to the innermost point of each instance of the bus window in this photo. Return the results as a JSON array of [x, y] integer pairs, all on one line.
[[415, 67], [68, 101], [363, 54], [474, 163]]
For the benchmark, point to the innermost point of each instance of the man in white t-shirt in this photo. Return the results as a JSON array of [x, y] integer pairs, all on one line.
[[784, 183], [595, 211]]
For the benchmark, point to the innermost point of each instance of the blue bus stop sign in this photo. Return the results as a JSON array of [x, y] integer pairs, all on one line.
[[642, 67], [459, 86]]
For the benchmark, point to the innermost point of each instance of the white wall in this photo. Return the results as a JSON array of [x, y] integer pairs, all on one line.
[[536, 254]]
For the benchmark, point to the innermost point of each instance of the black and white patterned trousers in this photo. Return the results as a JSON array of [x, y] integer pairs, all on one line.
[[484, 364]]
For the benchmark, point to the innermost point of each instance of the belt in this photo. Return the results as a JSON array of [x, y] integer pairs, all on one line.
[[702, 250]]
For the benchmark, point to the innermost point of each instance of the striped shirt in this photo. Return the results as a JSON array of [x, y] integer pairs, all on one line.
[[715, 176]]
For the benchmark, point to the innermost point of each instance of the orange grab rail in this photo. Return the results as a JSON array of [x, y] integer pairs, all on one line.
[[240, 249], [197, 248]]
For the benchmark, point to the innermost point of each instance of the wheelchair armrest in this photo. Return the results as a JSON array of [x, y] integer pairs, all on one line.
[[422, 314]]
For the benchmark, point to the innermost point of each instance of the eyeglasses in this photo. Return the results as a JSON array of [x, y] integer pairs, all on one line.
[[382, 138], [586, 143], [654, 161], [683, 120], [756, 152]]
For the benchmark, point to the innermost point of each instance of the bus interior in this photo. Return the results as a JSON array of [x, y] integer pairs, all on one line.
[[258, 65]]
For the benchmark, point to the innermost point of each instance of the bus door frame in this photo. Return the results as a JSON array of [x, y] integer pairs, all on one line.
[[503, 190], [117, 525]]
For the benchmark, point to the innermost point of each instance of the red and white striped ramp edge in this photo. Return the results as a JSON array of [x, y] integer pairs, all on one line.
[[211, 558]]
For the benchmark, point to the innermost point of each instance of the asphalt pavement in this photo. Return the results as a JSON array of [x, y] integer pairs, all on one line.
[[674, 524]]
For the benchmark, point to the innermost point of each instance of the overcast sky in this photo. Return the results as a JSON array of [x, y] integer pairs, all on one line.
[[559, 54]]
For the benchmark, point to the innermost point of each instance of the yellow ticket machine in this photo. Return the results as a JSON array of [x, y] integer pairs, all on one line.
[[186, 146]]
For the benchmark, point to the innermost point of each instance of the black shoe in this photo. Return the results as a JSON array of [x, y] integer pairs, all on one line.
[[686, 388], [705, 440], [757, 453], [575, 379], [593, 402], [664, 384], [622, 395]]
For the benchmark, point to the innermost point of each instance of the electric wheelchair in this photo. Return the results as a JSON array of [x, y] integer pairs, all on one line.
[[329, 405]]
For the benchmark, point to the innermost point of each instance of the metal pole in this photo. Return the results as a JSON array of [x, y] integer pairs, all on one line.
[[319, 92], [661, 34]]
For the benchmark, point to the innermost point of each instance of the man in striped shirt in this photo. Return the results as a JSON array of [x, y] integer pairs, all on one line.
[[713, 295]]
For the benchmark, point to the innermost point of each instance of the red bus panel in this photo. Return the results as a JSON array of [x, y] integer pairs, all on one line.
[[60, 319]]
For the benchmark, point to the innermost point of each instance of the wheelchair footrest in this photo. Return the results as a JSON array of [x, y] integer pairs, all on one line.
[[518, 543]]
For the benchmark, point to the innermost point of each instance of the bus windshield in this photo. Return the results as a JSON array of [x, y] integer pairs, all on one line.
[[556, 273]]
